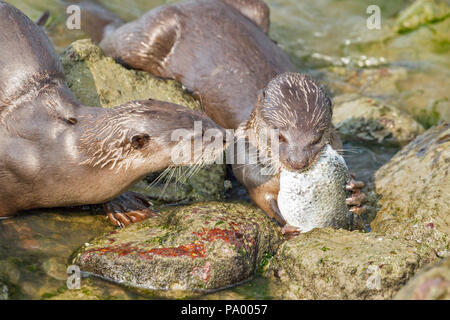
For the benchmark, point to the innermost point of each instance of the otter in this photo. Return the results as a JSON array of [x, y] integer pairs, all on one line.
[[56, 152], [220, 50]]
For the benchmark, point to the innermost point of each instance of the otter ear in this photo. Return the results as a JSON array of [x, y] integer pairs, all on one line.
[[139, 141]]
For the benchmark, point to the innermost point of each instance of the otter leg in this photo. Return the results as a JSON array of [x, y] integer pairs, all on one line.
[[128, 208]]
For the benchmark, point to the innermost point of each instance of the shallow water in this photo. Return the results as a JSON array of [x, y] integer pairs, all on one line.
[[35, 248]]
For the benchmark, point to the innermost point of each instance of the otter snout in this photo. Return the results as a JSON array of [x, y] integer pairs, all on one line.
[[297, 164], [299, 158]]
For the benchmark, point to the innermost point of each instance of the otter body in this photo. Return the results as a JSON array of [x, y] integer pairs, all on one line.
[[219, 49], [56, 152], [218, 53]]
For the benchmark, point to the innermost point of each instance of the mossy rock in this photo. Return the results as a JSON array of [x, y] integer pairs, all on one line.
[[420, 13], [431, 283], [369, 120], [414, 192], [201, 247], [338, 264]]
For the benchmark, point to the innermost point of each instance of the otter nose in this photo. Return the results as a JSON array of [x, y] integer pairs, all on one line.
[[297, 164]]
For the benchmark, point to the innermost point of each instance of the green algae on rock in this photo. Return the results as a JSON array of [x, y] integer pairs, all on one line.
[[201, 247], [365, 119], [420, 13], [97, 80], [415, 192], [431, 283], [338, 264], [206, 184]]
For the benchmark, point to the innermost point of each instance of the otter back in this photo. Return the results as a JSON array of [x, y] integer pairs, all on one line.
[[26, 55]]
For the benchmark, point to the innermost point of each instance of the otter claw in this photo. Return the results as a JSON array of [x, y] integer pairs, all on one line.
[[353, 185], [358, 210], [290, 231], [128, 208], [356, 199]]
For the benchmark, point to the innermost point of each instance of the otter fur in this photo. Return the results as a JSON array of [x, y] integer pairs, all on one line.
[[56, 152], [220, 50]]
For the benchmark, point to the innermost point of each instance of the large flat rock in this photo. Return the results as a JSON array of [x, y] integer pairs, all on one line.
[[204, 247]]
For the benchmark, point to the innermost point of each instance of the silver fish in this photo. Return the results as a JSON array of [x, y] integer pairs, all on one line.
[[316, 198]]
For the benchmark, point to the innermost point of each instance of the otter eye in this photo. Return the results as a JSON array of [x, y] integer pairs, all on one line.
[[140, 140], [316, 140]]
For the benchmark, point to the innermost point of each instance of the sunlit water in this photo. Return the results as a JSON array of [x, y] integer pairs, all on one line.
[[35, 248]]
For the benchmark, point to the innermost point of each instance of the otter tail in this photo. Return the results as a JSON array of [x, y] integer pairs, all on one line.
[[96, 20]]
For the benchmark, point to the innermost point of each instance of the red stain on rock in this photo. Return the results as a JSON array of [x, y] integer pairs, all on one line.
[[193, 250], [240, 236]]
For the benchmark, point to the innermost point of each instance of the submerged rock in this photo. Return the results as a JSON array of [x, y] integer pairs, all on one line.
[[338, 264], [4, 291], [365, 119], [414, 192], [420, 13], [99, 81], [35, 247], [431, 283], [204, 247], [316, 198]]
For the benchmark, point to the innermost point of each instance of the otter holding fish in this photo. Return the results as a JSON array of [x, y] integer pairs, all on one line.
[[56, 152], [219, 49]]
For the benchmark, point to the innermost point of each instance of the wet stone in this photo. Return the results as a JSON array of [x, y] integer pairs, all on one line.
[[369, 120], [338, 264], [431, 283], [414, 192], [201, 247]]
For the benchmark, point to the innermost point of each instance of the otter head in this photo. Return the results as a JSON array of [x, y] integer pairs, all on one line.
[[300, 111], [143, 135]]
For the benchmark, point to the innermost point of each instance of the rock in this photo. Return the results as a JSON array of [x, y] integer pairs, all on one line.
[[369, 120], [99, 81], [4, 291], [207, 184], [380, 82], [420, 13], [316, 198], [431, 283], [414, 192], [201, 247], [338, 264]]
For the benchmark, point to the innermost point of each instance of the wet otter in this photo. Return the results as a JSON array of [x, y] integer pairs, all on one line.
[[56, 152], [219, 50]]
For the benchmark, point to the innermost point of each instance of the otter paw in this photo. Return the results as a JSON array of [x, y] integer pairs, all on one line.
[[128, 208], [356, 200], [290, 231]]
